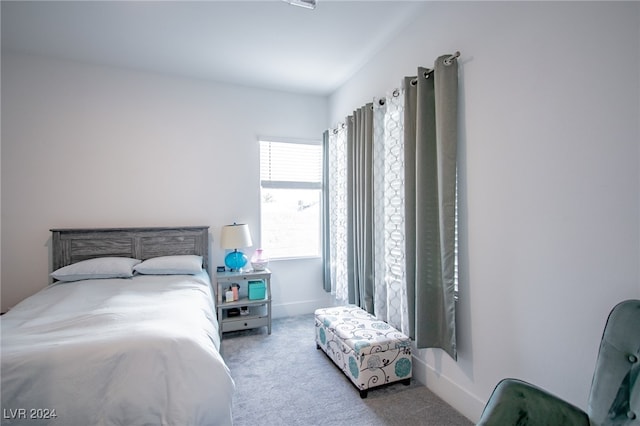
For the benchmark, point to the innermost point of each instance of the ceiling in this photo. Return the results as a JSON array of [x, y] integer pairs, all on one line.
[[265, 43]]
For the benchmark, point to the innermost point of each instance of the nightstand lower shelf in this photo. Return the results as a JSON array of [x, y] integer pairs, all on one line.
[[259, 310]]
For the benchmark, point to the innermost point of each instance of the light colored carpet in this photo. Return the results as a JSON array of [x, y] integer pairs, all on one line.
[[282, 379]]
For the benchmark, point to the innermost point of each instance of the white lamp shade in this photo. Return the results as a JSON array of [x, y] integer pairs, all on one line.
[[235, 236]]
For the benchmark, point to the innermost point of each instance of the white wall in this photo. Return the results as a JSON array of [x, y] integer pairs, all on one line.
[[86, 146], [549, 183]]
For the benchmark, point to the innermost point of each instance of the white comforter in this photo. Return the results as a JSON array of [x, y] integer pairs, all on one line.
[[140, 351]]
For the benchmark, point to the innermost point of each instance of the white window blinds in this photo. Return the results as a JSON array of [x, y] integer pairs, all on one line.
[[290, 165]]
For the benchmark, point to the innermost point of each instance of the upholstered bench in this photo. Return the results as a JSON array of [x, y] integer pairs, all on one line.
[[370, 352]]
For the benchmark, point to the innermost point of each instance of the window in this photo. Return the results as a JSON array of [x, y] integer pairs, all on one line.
[[291, 197]]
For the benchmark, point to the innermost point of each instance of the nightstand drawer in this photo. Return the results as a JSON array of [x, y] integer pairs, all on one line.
[[244, 323]]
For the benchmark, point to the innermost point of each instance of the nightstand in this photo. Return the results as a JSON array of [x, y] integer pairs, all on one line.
[[259, 310]]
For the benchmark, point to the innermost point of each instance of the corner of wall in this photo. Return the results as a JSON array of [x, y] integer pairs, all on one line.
[[466, 403]]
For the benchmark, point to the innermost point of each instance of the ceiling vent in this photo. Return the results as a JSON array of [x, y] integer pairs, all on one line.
[[308, 4]]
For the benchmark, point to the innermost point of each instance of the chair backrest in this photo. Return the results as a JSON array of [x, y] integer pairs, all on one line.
[[615, 390]]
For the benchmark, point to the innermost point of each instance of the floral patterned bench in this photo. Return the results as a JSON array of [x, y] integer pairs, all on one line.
[[370, 352]]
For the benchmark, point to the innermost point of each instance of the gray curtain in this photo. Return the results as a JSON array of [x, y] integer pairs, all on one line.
[[360, 206], [326, 208], [430, 194]]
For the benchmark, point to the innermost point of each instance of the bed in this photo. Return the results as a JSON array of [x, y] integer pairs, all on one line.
[[135, 344]]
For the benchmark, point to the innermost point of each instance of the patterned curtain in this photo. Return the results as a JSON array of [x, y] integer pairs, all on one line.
[[336, 264], [390, 303], [387, 165]]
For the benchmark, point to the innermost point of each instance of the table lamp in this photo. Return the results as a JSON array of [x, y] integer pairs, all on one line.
[[234, 237]]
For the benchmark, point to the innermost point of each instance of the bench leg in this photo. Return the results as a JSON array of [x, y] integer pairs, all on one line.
[[364, 393], [406, 382]]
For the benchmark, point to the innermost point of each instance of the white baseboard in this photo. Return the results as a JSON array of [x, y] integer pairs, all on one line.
[[459, 398], [283, 310]]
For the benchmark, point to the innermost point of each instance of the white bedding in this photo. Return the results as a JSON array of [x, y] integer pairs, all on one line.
[[116, 351]]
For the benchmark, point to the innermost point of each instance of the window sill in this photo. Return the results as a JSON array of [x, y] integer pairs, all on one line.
[[288, 259]]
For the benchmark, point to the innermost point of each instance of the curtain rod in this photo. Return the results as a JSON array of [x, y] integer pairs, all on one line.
[[396, 92], [448, 60]]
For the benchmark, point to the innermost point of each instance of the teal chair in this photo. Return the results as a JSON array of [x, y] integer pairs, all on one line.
[[615, 390]]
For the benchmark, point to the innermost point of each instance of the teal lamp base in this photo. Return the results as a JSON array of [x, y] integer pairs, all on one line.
[[235, 260]]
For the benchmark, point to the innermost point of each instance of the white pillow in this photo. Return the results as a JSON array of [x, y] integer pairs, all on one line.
[[171, 265], [98, 268]]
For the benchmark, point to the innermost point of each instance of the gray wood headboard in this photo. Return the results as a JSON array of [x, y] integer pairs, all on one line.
[[73, 245]]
